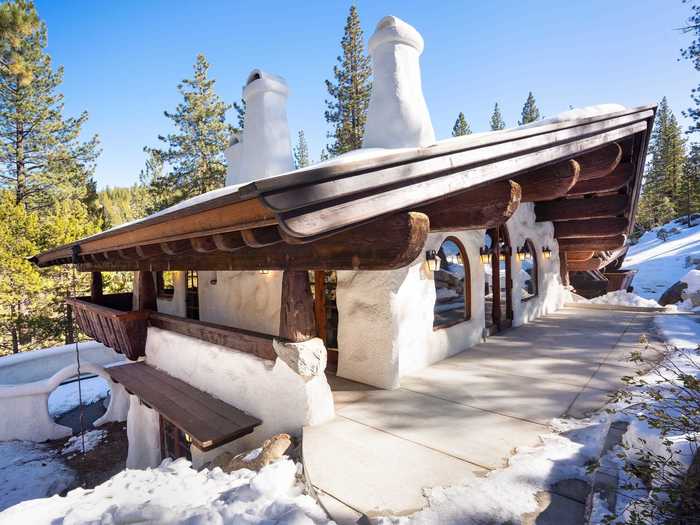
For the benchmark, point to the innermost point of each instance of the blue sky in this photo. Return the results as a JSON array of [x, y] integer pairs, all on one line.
[[123, 59]]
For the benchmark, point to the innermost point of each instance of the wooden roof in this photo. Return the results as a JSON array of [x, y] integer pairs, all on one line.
[[374, 210], [209, 421]]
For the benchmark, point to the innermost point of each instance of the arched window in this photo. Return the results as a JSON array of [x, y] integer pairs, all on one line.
[[452, 285], [528, 270]]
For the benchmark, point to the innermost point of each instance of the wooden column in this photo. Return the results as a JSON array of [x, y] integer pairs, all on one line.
[[320, 303], [144, 292], [564, 268], [96, 287], [297, 322], [496, 276]]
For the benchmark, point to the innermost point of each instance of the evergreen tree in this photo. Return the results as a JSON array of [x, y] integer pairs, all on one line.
[[194, 152], [155, 182], [497, 121], [530, 112], [689, 199], [240, 115], [692, 53], [301, 152], [41, 156], [461, 126], [324, 155], [346, 111], [665, 170]]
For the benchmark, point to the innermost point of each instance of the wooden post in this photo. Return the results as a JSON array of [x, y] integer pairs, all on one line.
[[297, 309], [144, 292], [564, 268], [320, 302], [96, 287], [496, 276]]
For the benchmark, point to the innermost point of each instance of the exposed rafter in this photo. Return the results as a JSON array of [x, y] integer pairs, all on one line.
[[586, 208], [550, 182]]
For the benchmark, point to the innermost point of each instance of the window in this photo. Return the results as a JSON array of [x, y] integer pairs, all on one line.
[[192, 295], [165, 282], [452, 285], [174, 443], [528, 270]]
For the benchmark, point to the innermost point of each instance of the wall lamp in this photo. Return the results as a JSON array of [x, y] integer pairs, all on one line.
[[432, 260], [485, 255], [546, 252]]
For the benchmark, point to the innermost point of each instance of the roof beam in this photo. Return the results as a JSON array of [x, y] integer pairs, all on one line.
[[599, 163], [580, 255], [550, 182], [593, 243], [485, 207], [259, 237], [576, 209], [623, 174], [390, 242], [590, 228], [594, 263]]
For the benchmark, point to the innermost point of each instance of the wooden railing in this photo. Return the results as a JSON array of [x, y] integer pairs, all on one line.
[[112, 323]]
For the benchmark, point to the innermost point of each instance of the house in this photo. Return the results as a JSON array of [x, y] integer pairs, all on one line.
[[371, 265]]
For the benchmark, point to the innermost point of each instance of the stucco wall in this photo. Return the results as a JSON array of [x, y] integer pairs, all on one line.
[[386, 318], [269, 390], [175, 305], [247, 300]]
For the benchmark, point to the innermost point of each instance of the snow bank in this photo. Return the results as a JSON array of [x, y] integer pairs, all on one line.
[[176, 493], [65, 398], [622, 298], [661, 264], [681, 331]]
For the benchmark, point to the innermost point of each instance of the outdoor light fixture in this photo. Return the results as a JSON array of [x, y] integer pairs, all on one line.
[[432, 260], [521, 254], [264, 271], [485, 255], [546, 252]]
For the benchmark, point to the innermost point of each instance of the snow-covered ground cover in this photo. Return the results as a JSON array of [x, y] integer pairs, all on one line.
[[176, 493], [623, 298], [65, 398], [661, 264], [89, 440]]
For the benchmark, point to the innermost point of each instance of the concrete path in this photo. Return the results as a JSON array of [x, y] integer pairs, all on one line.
[[467, 414]]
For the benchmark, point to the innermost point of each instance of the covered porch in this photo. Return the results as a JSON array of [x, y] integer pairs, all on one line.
[[464, 416]]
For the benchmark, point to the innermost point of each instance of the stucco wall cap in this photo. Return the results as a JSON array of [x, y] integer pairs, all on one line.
[[260, 81], [391, 29]]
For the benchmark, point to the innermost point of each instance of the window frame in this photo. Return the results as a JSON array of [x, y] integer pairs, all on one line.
[[467, 287], [161, 291], [535, 270]]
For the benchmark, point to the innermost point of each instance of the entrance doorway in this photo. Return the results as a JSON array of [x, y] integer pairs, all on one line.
[[323, 287], [498, 282]]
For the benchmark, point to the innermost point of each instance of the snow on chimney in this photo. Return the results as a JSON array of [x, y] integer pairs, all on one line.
[[397, 116], [265, 148], [233, 159]]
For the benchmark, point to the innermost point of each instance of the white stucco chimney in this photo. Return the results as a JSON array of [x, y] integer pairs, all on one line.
[[265, 148], [233, 159], [397, 116]]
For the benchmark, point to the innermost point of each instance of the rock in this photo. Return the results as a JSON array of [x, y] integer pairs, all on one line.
[[308, 358], [273, 449], [674, 294]]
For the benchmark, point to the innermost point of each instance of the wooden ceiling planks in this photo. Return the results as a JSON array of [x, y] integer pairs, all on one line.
[[593, 243], [586, 208], [606, 227]]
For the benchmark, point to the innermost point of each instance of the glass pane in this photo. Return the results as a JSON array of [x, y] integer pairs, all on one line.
[[528, 273], [450, 285]]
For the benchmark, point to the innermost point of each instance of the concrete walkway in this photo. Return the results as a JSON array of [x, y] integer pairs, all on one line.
[[465, 415]]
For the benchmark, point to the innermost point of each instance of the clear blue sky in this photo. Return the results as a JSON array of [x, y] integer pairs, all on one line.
[[123, 59]]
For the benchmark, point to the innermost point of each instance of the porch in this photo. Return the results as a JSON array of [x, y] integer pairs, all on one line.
[[464, 416]]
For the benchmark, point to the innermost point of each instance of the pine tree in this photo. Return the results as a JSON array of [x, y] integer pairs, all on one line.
[[346, 110], [692, 53], [194, 152], [41, 155], [240, 115], [689, 200], [530, 112], [461, 126], [497, 121], [301, 152], [665, 170]]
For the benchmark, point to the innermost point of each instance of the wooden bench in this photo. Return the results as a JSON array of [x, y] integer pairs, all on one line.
[[209, 421]]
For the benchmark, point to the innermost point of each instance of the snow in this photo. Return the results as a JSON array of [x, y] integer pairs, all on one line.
[[681, 331], [91, 438], [176, 493], [30, 470], [661, 264], [65, 397], [623, 298]]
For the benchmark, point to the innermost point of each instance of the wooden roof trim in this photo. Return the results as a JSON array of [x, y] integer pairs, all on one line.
[[321, 173], [327, 218], [322, 191]]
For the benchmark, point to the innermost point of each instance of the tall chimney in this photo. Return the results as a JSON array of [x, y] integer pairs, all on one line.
[[265, 147], [397, 116], [233, 159]]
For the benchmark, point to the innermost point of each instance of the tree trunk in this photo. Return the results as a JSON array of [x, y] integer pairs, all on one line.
[[297, 321]]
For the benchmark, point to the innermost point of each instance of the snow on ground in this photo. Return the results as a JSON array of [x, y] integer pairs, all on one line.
[[662, 264], [623, 298], [681, 331], [30, 470], [91, 439], [176, 493], [65, 397]]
